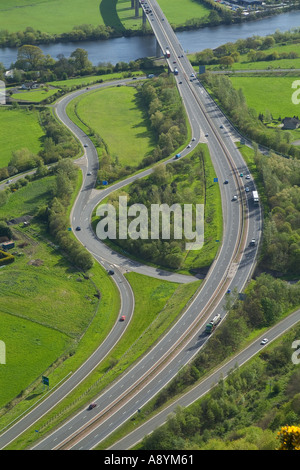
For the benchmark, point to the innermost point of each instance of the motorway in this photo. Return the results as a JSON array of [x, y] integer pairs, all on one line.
[[232, 268]]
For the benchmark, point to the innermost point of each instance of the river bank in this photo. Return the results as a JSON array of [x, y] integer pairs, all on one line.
[[126, 49]]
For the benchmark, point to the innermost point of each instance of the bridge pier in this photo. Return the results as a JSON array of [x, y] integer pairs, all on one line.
[[144, 18], [158, 51]]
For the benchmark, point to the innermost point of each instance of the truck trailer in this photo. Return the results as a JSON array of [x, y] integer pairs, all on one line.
[[212, 324]]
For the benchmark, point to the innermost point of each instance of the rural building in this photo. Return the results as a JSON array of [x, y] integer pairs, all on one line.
[[7, 245], [290, 123], [248, 3]]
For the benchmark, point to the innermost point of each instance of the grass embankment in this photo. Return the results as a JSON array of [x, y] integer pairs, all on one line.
[[20, 128]]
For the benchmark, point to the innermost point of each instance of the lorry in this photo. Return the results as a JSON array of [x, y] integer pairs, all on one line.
[[255, 197], [167, 53], [212, 324]]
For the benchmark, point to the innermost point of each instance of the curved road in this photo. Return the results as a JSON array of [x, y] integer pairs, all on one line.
[[153, 371], [232, 268]]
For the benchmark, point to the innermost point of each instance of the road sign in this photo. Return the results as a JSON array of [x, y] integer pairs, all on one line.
[[45, 380]]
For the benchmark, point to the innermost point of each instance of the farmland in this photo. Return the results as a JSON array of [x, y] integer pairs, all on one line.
[[19, 129], [60, 16], [268, 93], [52, 16]]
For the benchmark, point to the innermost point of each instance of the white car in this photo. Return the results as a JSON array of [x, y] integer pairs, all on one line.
[[234, 198], [247, 177], [189, 146], [264, 341]]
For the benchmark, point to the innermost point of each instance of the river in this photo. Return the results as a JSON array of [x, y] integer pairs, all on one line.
[[127, 49]]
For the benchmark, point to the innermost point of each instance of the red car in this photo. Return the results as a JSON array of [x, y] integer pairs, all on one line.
[[122, 318]]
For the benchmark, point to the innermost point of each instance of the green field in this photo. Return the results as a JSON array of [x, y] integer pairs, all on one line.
[[52, 16], [26, 200], [44, 309], [269, 93], [177, 12], [19, 129], [60, 16], [114, 114], [33, 96], [30, 349]]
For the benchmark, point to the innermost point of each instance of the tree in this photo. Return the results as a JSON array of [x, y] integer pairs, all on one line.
[[289, 437], [30, 57], [80, 59]]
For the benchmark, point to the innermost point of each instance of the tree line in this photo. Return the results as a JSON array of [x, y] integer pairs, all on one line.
[[33, 64], [256, 48], [84, 32], [55, 214]]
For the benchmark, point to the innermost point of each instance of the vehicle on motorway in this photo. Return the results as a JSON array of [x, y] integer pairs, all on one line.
[[193, 139], [78, 229], [89, 173], [212, 324], [255, 197], [264, 341], [234, 198], [175, 71], [226, 182], [206, 135], [178, 155], [85, 145], [167, 53], [111, 272], [252, 243], [247, 177], [221, 127], [180, 83], [92, 405], [247, 189], [241, 175], [189, 146], [122, 318]]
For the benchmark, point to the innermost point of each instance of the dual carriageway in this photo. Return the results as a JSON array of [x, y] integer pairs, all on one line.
[[232, 268]]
